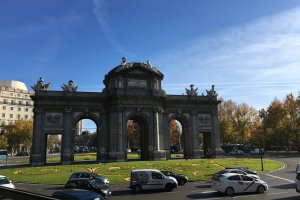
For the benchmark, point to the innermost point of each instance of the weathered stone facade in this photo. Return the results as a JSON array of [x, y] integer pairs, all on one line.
[[132, 92]]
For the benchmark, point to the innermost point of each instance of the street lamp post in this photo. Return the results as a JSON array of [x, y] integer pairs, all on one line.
[[261, 158]]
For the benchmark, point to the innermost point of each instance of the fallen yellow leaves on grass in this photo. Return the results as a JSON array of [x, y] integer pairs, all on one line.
[[114, 168]]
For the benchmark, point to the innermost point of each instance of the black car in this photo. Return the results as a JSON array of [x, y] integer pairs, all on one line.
[[89, 175], [77, 194], [181, 179], [89, 184]]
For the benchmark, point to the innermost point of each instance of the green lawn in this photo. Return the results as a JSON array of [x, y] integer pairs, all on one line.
[[199, 169]]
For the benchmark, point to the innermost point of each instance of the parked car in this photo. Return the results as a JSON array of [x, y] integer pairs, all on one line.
[[89, 175], [297, 181], [245, 169], [234, 171], [149, 179], [236, 152], [257, 151], [89, 184], [77, 194], [230, 183], [181, 179], [298, 167], [23, 153], [4, 182]]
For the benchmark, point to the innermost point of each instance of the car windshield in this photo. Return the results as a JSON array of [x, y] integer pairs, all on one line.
[[96, 183], [4, 180]]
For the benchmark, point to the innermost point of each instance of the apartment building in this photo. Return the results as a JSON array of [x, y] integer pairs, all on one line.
[[15, 102]]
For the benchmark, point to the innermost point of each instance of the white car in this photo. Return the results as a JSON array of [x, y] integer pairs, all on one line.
[[149, 179], [4, 182], [231, 183], [297, 182]]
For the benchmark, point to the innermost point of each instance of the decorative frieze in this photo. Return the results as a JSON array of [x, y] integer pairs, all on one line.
[[53, 118]]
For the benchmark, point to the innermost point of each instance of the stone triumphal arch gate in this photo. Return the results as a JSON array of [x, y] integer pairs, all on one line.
[[133, 91]]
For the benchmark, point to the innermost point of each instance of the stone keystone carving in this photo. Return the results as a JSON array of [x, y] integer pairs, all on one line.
[[212, 92], [40, 86], [191, 92], [71, 87]]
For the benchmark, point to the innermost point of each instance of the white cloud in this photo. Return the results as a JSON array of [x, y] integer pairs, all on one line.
[[258, 57], [101, 12]]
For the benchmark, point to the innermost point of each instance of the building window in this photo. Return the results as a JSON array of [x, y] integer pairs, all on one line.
[[11, 108], [19, 116], [19, 109], [20, 102], [19, 95], [4, 107], [4, 101], [27, 103], [3, 115], [26, 109], [26, 116], [12, 102], [11, 115]]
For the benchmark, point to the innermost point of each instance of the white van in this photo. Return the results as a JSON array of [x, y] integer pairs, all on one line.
[[149, 179]]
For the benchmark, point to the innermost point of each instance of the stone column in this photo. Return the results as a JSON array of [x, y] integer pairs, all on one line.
[[215, 134], [121, 152], [166, 134], [195, 135], [156, 148], [38, 152], [67, 151], [102, 137]]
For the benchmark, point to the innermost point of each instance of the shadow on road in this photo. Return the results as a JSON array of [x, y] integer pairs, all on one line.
[[288, 198], [285, 186], [133, 193], [205, 195]]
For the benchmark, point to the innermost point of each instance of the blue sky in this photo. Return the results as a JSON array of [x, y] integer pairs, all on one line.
[[249, 49]]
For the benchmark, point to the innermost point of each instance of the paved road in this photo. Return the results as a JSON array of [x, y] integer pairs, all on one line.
[[281, 185]]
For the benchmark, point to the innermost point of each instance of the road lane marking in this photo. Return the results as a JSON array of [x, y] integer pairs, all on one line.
[[288, 180], [275, 193]]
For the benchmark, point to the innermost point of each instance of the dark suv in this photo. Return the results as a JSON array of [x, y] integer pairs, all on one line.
[[89, 175], [89, 184], [77, 194]]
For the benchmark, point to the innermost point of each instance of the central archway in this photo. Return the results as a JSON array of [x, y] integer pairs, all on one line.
[[141, 146], [185, 146]]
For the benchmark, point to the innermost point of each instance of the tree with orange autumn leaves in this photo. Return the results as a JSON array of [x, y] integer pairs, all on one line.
[[276, 128]]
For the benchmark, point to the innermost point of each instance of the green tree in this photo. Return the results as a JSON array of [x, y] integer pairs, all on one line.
[[3, 142], [19, 133]]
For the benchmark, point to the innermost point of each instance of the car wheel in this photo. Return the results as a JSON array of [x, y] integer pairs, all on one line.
[[169, 187], [138, 188], [229, 191], [181, 182], [260, 189]]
